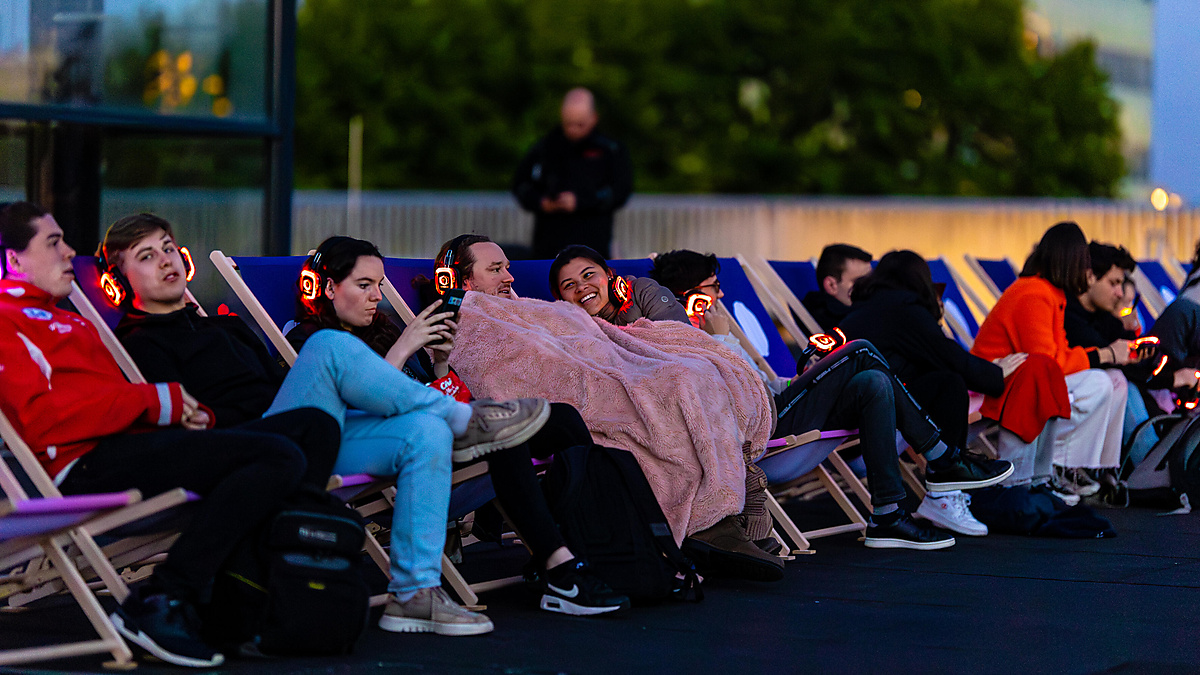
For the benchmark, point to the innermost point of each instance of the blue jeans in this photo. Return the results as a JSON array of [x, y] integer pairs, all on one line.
[[396, 426]]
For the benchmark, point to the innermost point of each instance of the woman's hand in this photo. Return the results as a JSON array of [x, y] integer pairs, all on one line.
[[1009, 364], [440, 352], [426, 327]]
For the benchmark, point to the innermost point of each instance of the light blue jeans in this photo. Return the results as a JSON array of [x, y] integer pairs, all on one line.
[[391, 425]]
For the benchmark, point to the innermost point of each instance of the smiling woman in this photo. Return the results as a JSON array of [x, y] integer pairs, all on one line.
[[582, 277]]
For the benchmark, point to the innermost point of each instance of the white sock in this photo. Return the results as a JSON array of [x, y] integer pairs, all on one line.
[[459, 418]]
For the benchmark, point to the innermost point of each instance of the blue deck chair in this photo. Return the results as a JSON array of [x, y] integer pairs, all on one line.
[[996, 274], [790, 281], [1164, 285], [958, 314], [531, 279], [401, 272], [267, 288], [744, 306]]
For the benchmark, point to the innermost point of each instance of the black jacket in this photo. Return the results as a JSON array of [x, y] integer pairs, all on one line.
[[1092, 329], [218, 359], [596, 169], [908, 336], [826, 309]]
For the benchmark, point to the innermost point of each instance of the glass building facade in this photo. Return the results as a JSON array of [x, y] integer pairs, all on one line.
[[179, 107]]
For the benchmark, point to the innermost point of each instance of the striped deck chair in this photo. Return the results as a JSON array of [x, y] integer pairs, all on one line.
[[266, 287], [995, 274]]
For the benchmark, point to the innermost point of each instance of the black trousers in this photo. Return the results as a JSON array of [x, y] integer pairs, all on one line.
[[944, 396], [853, 388], [242, 474], [516, 483]]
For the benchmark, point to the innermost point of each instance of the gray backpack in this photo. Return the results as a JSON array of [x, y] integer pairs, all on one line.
[[1169, 476]]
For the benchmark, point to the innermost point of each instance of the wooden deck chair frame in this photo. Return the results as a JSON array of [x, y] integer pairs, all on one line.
[[467, 592], [1175, 269], [801, 541], [69, 568], [39, 578], [51, 543], [779, 299]]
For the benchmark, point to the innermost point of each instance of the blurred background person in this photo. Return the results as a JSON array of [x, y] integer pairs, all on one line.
[[573, 180]]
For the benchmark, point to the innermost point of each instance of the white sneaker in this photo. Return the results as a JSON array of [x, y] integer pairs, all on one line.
[[950, 511]]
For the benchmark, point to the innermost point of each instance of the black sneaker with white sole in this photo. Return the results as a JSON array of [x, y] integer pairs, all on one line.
[[166, 628], [903, 532], [965, 471], [572, 588]]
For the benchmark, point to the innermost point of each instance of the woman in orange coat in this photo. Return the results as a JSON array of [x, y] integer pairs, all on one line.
[[1029, 318]]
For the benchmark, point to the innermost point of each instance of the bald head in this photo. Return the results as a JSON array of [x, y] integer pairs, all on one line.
[[578, 114]]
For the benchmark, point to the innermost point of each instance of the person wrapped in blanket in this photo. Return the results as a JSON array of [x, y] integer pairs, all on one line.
[[854, 387], [390, 425], [640, 394], [351, 274]]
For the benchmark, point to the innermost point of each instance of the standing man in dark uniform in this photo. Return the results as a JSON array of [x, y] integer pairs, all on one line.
[[573, 180]]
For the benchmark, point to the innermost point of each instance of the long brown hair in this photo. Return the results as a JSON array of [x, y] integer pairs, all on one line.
[[1062, 258]]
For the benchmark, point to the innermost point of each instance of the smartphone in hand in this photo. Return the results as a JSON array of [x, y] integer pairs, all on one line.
[[451, 302]]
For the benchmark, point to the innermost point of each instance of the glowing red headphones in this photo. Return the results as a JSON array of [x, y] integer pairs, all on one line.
[[697, 303], [618, 289], [116, 287], [445, 278]]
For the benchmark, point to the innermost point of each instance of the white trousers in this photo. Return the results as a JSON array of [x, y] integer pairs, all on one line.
[[1091, 438]]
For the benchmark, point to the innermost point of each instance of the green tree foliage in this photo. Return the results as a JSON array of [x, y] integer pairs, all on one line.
[[776, 96]]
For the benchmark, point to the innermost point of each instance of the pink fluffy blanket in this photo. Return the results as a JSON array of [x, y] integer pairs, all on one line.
[[682, 403]]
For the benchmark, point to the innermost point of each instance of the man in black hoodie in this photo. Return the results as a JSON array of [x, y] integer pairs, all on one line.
[[839, 266], [573, 180]]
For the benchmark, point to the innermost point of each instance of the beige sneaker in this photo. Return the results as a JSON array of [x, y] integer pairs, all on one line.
[[432, 611], [496, 425]]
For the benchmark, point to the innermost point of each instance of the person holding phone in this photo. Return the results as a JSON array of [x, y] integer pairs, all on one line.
[[352, 272], [389, 424]]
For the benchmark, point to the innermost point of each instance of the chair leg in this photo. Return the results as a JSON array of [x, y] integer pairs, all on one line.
[[800, 543], [460, 586], [847, 474], [910, 476]]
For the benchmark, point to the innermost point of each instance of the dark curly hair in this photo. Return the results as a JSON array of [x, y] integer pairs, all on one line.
[[682, 270]]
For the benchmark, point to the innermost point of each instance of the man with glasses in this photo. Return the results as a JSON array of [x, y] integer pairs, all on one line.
[[853, 388]]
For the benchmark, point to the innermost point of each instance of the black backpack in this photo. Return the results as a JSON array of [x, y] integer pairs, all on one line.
[[609, 516], [1170, 474], [294, 586]]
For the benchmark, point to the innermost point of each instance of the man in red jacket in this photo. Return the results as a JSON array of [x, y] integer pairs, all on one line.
[[95, 432]]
